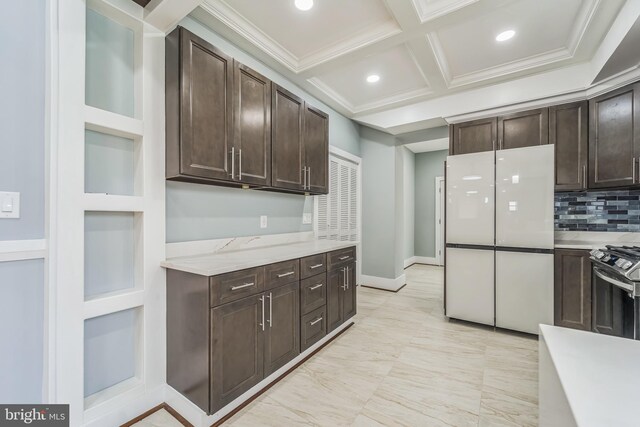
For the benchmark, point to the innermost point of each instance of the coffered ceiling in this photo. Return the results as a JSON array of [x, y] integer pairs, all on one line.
[[421, 50]]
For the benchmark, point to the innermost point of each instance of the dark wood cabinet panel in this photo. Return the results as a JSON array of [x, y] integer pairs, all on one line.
[[236, 285], [607, 308], [335, 279], [282, 334], [341, 257], [572, 289], [237, 362], [316, 147], [312, 265], [252, 126], [313, 293], [313, 326], [199, 82], [524, 129], [281, 273], [349, 303], [473, 137], [287, 145], [614, 138], [568, 131]]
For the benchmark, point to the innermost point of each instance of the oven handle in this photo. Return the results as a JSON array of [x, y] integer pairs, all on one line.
[[626, 286]]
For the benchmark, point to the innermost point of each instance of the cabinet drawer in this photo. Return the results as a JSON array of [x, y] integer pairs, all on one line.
[[313, 327], [312, 265], [281, 273], [235, 285], [313, 293], [341, 257]]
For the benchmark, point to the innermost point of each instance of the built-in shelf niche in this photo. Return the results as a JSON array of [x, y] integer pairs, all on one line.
[[112, 247], [112, 354]]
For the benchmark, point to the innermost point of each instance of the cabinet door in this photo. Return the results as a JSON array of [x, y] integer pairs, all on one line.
[[614, 140], [206, 109], [349, 303], [282, 337], [316, 147], [568, 127], [336, 279], [287, 150], [572, 289], [473, 137], [524, 129], [252, 126], [236, 349], [607, 306]]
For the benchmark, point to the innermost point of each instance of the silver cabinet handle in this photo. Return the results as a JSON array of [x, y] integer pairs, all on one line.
[[347, 275], [233, 162], [584, 176], [316, 266], [309, 179], [286, 274], [313, 322], [270, 310], [261, 299], [319, 285], [342, 258], [304, 177], [633, 168], [344, 279], [493, 141], [246, 285], [240, 163]]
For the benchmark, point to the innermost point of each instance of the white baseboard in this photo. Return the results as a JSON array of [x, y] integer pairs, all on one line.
[[383, 282], [409, 261], [420, 260]]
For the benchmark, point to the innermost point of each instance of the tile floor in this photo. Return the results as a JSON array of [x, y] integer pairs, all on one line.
[[404, 364]]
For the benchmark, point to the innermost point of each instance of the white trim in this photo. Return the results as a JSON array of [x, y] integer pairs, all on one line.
[[409, 261], [111, 123], [439, 235], [112, 203], [426, 260], [383, 282], [428, 13], [198, 418], [113, 303], [17, 250], [345, 154]]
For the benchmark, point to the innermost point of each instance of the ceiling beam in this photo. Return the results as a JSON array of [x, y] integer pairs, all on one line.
[[165, 14]]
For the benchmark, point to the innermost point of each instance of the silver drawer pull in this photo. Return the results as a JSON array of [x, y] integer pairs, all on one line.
[[246, 285], [342, 258], [313, 322], [319, 285], [316, 266], [286, 274]]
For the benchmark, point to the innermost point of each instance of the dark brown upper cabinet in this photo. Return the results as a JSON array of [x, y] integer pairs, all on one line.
[[252, 126], [287, 145], [572, 289], [614, 138], [473, 137], [316, 150], [568, 131], [199, 109], [523, 129], [299, 144]]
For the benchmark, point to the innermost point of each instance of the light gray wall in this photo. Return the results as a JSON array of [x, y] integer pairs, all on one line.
[[408, 186], [428, 166], [198, 212], [22, 53], [381, 223]]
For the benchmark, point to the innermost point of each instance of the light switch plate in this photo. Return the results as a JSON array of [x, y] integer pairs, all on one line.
[[9, 205], [263, 221], [307, 218]]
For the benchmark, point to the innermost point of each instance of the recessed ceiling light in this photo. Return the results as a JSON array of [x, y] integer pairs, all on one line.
[[505, 35], [373, 78], [304, 4]]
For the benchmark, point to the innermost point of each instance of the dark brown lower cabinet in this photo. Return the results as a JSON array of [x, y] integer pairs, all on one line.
[[608, 308], [313, 327], [282, 328], [572, 289], [237, 361], [341, 295]]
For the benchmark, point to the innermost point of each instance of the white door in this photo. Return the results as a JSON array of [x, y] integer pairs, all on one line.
[[524, 290], [470, 199], [524, 197], [469, 285]]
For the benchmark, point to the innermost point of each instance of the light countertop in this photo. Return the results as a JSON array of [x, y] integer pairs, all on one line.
[[226, 261], [599, 375], [589, 240]]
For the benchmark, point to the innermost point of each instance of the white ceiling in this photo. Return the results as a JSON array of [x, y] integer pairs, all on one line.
[[427, 146], [425, 51]]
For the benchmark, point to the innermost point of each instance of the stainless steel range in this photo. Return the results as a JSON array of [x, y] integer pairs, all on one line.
[[616, 291]]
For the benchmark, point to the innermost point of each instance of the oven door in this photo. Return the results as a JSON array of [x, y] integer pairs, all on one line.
[[613, 306]]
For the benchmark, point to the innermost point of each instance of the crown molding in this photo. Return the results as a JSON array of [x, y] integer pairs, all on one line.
[[448, 6]]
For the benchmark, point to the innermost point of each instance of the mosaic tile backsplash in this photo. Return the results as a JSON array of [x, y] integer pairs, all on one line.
[[598, 211]]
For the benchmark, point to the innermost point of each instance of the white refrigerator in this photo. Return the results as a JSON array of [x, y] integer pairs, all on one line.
[[499, 237]]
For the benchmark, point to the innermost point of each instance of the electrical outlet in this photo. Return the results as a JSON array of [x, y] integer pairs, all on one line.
[[263, 221], [307, 218]]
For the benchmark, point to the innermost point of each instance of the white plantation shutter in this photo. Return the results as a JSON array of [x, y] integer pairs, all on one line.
[[336, 213]]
